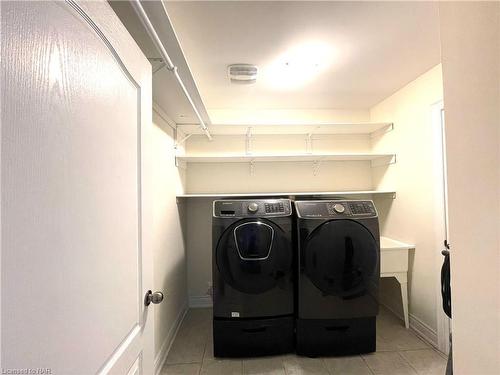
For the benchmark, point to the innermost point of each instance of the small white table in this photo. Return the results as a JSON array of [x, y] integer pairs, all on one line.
[[394, 263]]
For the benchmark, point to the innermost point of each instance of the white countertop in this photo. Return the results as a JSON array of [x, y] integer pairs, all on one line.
[[388, 244]]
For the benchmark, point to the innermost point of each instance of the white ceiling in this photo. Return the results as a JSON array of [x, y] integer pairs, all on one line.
[[374, 48]]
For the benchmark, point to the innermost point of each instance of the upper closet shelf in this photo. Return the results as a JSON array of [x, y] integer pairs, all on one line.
[[390, 193], [367, 128], [376, 159]]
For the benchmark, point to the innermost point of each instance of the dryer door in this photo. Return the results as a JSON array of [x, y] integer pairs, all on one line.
[[253, 255], [341, 259]]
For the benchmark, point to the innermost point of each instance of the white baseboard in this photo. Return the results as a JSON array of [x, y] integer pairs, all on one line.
[[167, 343], [419, 327], [196, 302], [423, 330]]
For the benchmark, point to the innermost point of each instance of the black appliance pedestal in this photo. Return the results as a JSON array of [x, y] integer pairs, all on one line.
[[330, 337], [254, 337]]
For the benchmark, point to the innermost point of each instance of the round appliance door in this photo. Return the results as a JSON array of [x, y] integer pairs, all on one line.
[[253, 256], [341, 258]]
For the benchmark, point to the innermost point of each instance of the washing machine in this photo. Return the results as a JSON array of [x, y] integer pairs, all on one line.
[[338, 277], [253, 277]]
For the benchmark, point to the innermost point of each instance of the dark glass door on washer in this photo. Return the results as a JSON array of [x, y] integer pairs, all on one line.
[[339, 262], [252, 267], [253, 257]]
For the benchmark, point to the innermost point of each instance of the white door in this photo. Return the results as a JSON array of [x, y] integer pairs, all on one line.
[[75, 253]]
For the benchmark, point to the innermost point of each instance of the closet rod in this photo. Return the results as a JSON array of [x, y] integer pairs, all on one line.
[[170, 66]]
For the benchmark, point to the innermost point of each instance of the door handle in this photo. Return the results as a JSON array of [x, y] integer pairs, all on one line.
[[151, 297]]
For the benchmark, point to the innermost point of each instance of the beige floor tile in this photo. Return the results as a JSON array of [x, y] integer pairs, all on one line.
[[295, 365], [190, 342], [347, 366], [204, 314], [392, 334], [384, 345], [388, 363], [188, 348], [209, 351], [426, 362], [400, 338], [197, 319], [193, 346], [386, 320], [387, 316], [222, 367], [182, 369], [266, 365]]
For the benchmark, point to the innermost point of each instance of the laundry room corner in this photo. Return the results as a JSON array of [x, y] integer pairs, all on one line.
[[169, 249], [411, 217], [199, 251]]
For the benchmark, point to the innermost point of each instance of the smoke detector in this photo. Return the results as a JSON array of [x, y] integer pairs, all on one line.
[[242, 73]]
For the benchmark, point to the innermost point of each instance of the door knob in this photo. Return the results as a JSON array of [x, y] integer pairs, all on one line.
[[151, 297]]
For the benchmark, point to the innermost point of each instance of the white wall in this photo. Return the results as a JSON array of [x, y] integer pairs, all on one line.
[[273, 177], [168, 242], [199, 250], [411, 216], [286, 116], [470, 39]]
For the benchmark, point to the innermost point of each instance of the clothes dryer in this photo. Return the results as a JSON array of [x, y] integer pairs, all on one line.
[[338, 277]]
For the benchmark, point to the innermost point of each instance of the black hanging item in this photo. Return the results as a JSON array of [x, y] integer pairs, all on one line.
[[446, 281]]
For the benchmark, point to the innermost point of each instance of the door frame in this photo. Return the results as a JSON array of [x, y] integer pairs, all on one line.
[[440, 217]]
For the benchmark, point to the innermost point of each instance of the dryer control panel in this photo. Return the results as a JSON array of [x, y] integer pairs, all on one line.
[[252, 208], [335, 209]]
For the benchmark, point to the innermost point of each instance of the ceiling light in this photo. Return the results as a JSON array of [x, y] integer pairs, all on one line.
[[298, 65], [242, 73]]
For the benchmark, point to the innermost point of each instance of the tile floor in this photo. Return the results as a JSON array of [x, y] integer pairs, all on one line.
[[399, 352]]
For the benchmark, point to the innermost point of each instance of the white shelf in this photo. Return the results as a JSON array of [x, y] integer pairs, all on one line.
[[238, 158], [388, 244], [366, 128], [296, 194]]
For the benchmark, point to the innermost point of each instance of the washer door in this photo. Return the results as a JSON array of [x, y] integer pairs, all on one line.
[[341, 258], [253, 255]]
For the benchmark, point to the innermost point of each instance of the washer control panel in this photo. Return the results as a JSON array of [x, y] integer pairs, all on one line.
[[272, 207], [335, 209], [252, 208], [362, 208]]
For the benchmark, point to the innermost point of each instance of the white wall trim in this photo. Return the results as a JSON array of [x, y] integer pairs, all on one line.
[[169, 339], [440, 218], [196, 302], [423, 330]]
